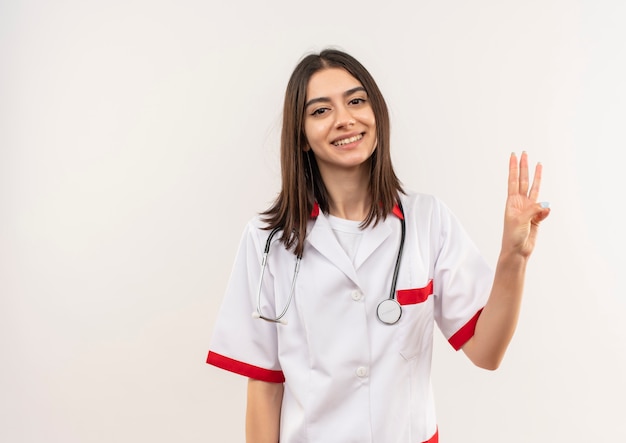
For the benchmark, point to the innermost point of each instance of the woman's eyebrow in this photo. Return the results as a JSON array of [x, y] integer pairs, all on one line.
[[348, 93]]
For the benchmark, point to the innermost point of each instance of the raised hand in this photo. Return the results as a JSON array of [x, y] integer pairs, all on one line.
[[523, 213]]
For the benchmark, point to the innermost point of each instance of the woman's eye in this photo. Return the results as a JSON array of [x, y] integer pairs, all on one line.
[[319, 111], [357, 101]]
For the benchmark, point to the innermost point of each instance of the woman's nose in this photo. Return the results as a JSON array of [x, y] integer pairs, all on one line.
[[344, 118]]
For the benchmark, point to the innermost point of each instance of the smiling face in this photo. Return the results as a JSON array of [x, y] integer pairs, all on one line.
[[339, 122]]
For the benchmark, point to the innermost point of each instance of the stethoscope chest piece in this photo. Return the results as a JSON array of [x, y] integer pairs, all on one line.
[[389, 311]]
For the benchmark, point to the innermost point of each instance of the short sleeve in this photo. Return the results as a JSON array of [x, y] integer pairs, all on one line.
[[462, 279], [240, 343]]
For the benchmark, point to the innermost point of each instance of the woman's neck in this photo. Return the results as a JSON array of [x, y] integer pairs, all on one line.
[[349, 193]]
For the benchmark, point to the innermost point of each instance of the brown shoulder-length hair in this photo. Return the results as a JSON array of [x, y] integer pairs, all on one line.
[[302, 184]]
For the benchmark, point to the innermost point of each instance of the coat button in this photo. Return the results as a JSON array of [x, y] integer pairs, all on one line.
[[357, 295], [361, 371]]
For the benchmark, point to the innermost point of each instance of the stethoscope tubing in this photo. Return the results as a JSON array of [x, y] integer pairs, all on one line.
[[392, 316], [396, 271], [266, 251]]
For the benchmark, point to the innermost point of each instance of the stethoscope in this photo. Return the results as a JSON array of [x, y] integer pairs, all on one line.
[[388, 311]]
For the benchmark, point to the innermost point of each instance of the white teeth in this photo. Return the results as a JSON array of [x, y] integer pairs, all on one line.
[[345, 141]]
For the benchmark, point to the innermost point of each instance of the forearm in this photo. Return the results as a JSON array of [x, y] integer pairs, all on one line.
[[498, 320], [263, 411], [522, 216]]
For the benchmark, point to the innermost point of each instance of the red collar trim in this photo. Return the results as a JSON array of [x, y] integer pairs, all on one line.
[[315, 211], [396, 211]]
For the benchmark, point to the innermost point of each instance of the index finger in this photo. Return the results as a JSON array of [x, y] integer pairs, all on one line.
[[513, 188], [534, 189]]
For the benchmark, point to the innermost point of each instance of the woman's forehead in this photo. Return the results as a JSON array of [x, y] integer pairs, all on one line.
[[331, 82]]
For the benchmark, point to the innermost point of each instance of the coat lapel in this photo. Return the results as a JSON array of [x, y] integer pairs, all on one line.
[[372, 239], [322, 238]]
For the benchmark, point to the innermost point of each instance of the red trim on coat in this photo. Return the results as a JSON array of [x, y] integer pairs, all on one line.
[[315, 211], [415, 295], [465, 333], [397, 212], [245, 369], [434, 438]]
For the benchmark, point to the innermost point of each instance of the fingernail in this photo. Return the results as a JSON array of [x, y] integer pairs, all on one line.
[[545, 204]]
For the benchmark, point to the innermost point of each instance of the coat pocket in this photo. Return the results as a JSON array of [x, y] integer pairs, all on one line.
[[415, 295], [416, 323]]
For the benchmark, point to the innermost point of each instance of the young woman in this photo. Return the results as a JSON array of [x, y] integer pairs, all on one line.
[[346, 274]]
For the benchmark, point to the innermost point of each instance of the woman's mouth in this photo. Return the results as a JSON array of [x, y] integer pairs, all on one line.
[[346, 141]]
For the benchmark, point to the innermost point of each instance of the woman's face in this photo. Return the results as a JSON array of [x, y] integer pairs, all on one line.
[[339, 122]]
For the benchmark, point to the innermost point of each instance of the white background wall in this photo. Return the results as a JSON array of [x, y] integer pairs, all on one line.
[[137, 137]]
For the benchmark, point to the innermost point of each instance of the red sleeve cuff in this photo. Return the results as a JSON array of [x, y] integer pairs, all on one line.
[[245, 369], [465, 333]]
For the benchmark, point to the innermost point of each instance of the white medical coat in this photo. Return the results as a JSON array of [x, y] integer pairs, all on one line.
[[349, 377]]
